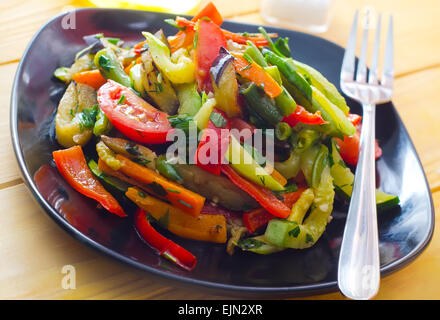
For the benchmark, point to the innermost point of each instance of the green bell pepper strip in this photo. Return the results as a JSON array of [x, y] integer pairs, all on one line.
[[110, 67], [343, 180], [311, 98], [300, 141], [323, 85], [178, 67], [285, 101], [167, 170], [289, 168], [102, 124], [246, 166], [189, 98], [258, 245], [296, 232], [264, 106]]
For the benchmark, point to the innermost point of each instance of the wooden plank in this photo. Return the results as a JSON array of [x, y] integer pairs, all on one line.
[[9, 172], [27, 230], [416, 30], [25, 275]]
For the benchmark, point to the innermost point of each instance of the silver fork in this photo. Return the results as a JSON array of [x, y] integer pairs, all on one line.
[[359, 266]]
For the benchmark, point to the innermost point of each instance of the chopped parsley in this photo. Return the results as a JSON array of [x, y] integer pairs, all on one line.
[[141, 194], [141, 161], [294, 232], [158, 189], [309, 238], [132, 149], [121, 99], [250, 243], [87, 117], [185, 203], [105, 63]]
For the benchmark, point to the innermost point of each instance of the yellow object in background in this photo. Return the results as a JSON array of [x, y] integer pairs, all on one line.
[[174, 6]]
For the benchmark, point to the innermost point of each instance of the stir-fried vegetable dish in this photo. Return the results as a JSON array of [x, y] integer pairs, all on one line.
[[213, 135]]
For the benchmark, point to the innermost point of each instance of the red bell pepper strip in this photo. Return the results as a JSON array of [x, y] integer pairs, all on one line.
[[132, 115], [209, 11], [215, 138], [349, 147], [302, 115], [185, 38], [207, 47], [73, 166], [259, 41], [162, 245], [263, 196], [292, 197], [256, 219]]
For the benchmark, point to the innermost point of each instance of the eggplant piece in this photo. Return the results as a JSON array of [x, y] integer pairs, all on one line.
[[157, 86], [69, 120], [218, 189], [224, 82], [131, 150]]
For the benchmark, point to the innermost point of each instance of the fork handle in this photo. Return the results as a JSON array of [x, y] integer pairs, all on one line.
[[359, 267]]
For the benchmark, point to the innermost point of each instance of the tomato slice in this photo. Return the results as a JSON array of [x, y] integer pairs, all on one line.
[[132, 115], [349, 147], [210, 39]]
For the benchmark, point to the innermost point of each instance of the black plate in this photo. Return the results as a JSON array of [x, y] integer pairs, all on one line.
[[404, 232]]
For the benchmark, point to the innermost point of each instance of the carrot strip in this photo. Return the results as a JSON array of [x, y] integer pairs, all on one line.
[[205, 227], [253, 72], [128, 68], [91, 78], [179, 197]]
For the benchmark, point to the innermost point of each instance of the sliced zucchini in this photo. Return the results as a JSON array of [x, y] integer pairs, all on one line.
[[343, 180]]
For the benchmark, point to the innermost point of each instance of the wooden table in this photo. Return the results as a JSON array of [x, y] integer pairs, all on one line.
[[33, 249]]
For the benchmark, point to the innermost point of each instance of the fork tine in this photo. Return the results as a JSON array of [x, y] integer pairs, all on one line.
[[347, 70], [388, 68], [372, 77], [361, 74]]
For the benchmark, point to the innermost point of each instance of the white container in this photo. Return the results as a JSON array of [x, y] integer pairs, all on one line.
[[309, 15]]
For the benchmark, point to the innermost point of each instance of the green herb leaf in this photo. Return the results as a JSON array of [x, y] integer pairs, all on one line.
[[141, 194], [309, 238], [158, 189], [295, 232], [174, 24], [121, 99], [250, 243], [181, 121], [132, 149], [196, 36], [185, 203], [141, 161], [105, 62], [87, 117]]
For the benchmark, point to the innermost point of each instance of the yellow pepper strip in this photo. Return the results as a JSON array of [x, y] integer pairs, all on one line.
[[205, 227]]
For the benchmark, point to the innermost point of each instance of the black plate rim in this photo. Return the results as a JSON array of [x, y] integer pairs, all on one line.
[[302, 290]]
